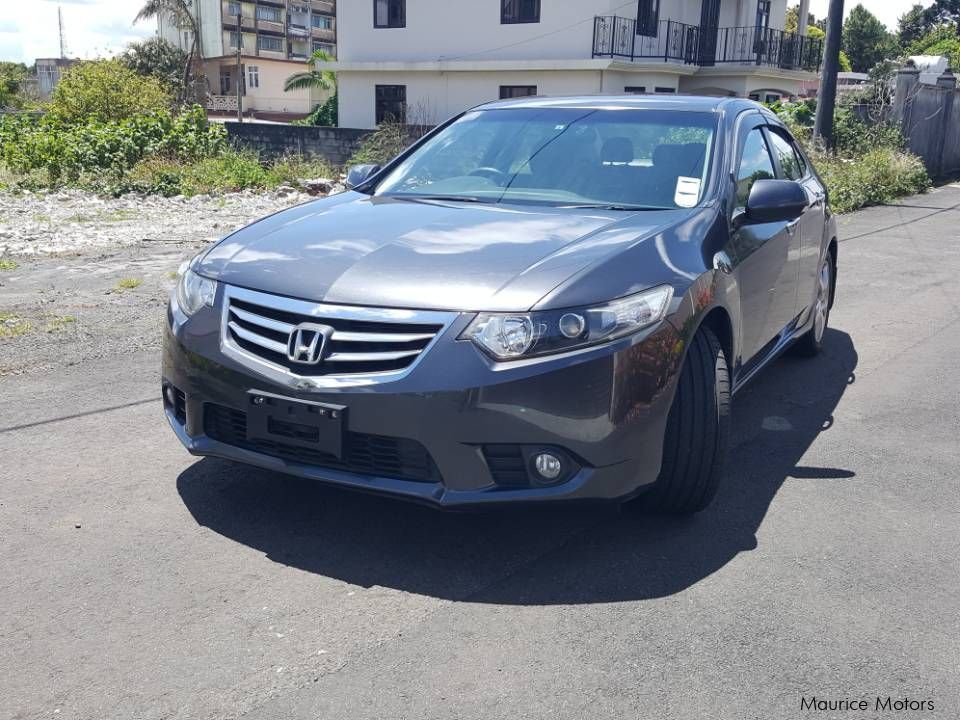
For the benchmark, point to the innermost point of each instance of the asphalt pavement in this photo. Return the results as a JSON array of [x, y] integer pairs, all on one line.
[[139, 582]]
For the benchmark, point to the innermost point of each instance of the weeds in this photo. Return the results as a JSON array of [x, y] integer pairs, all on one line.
[[12, 325], [124, 284]]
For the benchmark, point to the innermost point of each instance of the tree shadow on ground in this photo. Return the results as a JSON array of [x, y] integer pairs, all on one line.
[[537, 555]]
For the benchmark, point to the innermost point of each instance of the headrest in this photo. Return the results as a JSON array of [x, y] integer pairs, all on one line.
[[617, 150]]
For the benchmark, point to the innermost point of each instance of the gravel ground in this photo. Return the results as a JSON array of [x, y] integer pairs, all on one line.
[[83, 276]]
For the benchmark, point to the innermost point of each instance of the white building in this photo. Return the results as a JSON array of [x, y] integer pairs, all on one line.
[[431, 59]]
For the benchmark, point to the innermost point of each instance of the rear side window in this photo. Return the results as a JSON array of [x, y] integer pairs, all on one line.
[[755, 164], [790, 163]]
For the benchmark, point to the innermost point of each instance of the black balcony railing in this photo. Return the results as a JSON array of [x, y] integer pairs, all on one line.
[[616, 37]]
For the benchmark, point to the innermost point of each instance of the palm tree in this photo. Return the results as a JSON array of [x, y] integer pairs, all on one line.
[[313, 78], [179, 12]]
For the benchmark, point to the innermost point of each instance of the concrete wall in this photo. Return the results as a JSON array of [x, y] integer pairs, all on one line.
[[336, 145]]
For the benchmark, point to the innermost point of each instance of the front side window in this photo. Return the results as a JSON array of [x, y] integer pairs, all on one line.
[[272, 44], [269, 14], [519, 11], [516, 91], [648, 17], [755, 164], [790, 163], [391, 103], [617, 158], [389, 13]]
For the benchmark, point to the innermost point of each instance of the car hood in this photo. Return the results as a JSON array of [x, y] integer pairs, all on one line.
[[356, 250]]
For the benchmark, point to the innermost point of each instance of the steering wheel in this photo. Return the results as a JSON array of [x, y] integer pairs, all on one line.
[[495, 175]]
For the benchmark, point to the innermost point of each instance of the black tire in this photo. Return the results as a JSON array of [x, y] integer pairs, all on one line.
[[811, 342], [698, 427]]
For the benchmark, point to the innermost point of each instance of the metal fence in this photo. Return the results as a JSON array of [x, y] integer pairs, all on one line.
[[617, 38]]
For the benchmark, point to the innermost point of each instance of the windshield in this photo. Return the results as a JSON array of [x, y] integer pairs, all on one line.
[[621, 159]]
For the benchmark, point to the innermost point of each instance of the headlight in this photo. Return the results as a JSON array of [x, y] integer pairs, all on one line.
[[194, 291], [519, 335]]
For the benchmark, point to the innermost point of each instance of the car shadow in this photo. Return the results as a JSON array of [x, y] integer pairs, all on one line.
[[537, 555]]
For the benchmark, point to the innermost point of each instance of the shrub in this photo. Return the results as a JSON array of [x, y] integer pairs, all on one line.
[[877, 177], [324, 115], [66, 151], [104, 91], [386, 142]]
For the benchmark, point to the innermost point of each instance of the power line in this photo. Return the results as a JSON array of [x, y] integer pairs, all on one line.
[[536, 37]]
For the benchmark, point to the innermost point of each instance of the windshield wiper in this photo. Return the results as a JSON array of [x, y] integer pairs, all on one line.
[[443, 198], [609, 206]]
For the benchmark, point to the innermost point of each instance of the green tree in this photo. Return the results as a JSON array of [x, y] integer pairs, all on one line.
[[912, 25], [105, 90], [941, 40], [178, 13], [866, 40], [12, 78], [817, 33], [160, 59], [313, 78]]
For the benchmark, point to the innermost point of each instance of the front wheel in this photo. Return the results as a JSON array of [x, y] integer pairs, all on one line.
[[695, 445], [811, 343]]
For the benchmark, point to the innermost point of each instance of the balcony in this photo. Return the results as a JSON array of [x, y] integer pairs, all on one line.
[[616, 38], [324, 34], [324, 7], [298, 31]]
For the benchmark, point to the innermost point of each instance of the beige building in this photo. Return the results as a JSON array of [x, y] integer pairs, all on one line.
[[275, 38]]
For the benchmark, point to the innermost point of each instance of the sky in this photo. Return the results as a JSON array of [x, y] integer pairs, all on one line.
[[97, 28]]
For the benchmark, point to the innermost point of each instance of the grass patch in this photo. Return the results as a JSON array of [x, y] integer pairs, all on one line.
[[12, 326], [124, 284], [875, 178], [41, 218], [8, 265], [173, 275], [60, 322], [79, 219]]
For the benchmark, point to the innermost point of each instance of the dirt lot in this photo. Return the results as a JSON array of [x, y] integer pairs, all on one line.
[[84, 277]]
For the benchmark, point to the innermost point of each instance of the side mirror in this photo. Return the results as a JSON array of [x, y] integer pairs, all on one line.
[[359, 174], [775, 201]]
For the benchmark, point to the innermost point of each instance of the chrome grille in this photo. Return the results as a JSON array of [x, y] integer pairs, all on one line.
[[258, 327]]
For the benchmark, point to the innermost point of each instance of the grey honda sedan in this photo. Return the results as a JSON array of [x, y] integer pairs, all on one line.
[[546, 299]]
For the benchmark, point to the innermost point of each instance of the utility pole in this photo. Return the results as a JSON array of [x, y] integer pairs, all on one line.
[[63, 35], [827, 97], [239, 65]]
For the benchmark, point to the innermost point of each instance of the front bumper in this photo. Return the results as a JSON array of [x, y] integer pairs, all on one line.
[[604, 410]]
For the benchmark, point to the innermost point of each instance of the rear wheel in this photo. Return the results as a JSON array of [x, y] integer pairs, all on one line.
[[695, 445], [811, 343]]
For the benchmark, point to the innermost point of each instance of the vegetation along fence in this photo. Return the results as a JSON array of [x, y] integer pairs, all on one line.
[[929, 116]]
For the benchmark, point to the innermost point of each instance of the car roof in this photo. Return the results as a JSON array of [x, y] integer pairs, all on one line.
[[628, 102]]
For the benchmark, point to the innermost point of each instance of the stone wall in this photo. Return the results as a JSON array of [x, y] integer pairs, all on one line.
[[335, 145]]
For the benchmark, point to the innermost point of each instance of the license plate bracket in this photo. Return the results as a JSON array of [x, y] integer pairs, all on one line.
[[303, 423]]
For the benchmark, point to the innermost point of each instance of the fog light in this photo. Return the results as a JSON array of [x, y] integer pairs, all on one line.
[[169, 396], [548, 466]]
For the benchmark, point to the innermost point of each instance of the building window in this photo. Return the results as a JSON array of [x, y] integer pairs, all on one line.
[[225, 82], [324, 22], [635, 89], [648, 17], [664, 90], [271, 44], [389, 13], [253, 76], [235, 40], [519, 11], [233, 9], [269, 14], [325, 47], [763, 13], [517, 91], [391, 103], [186, 39]]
